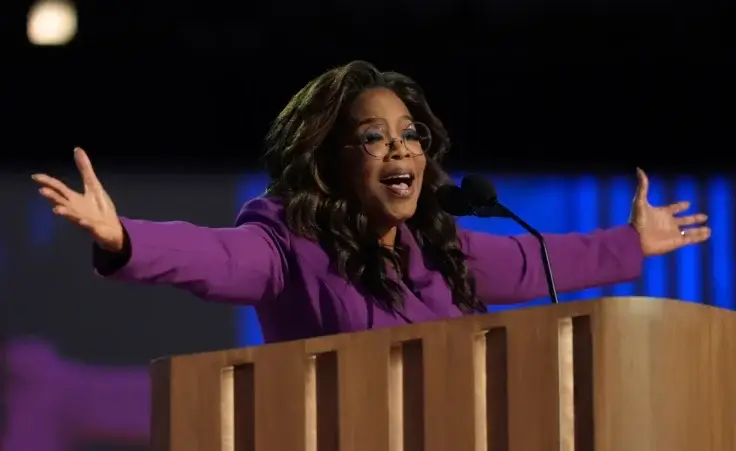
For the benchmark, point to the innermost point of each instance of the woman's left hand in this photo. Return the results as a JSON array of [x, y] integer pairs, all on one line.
[[661, 231]]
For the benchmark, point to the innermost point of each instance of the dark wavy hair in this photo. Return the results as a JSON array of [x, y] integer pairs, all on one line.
[[300, 157]]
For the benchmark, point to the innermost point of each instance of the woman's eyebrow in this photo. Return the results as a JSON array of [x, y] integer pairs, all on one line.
[[374, 119]]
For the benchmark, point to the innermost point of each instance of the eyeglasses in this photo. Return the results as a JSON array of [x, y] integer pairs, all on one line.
[[378, 142]]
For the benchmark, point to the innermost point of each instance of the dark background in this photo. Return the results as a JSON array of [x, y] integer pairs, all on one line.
[[520, 84], [171, 100]]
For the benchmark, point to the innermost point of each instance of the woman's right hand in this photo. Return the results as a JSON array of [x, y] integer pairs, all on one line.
[[92, 210]]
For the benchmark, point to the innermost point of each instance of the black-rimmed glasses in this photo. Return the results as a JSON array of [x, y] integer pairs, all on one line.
[[378, 142]]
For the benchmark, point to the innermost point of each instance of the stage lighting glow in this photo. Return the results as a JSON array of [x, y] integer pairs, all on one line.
[[52, 22]]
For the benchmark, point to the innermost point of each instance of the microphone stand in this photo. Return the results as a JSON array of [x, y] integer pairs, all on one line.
[[499, 210]]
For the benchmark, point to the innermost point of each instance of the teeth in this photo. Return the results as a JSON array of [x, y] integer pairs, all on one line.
[[399, 177]]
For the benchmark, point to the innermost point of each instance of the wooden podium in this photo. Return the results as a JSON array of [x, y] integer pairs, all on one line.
[[615, 374]]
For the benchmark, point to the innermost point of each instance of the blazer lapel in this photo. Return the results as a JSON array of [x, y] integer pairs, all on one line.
[[424, 285]]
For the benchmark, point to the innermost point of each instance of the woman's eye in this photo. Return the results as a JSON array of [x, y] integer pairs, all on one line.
[[411, 135], [372, 137]]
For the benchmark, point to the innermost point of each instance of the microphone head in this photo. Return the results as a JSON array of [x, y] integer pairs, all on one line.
[[479, 191], [452, 200]]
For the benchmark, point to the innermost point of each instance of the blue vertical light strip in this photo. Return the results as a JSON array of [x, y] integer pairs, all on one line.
[[249, 329], [655, 268], [621, 192], [721, 219], [688, 259], [585, 194]]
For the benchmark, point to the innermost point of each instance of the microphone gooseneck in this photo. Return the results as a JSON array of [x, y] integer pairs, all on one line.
[[477, 197]]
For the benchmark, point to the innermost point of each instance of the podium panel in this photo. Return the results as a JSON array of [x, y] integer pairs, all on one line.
[[613, 374]]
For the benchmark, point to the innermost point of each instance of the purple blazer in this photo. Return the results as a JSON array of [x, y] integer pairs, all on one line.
[[297, 294]]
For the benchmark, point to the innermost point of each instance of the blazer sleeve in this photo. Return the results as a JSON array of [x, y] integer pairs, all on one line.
[[509, 270], [243, 265]]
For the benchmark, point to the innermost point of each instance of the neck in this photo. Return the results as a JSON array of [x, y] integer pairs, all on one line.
[[387, 238]]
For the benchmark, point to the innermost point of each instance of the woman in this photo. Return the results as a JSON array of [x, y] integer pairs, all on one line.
[[349, 235]]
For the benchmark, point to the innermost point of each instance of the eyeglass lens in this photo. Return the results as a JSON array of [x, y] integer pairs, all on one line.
[[415, 138]]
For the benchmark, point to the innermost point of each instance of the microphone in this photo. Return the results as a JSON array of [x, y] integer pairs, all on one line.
[[477, 197], [453, 200]]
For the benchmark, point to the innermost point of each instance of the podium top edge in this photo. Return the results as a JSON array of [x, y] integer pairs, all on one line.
[[636, 304]]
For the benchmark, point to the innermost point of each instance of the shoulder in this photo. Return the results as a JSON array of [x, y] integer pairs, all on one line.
[[266, 213], [261, 209], [466, 238], [475, 244]]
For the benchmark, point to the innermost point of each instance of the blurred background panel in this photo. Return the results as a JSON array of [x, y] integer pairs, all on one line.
[[557, 102]]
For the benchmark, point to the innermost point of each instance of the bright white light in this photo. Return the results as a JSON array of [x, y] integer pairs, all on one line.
[[52, 22]]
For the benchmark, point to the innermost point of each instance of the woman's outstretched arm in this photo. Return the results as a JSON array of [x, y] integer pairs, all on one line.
[[509, 270], [244, 264]]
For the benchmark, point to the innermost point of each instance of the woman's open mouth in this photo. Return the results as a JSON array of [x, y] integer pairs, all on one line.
[[399, 184]]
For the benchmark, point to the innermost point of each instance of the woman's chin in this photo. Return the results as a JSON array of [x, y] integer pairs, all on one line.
[[397, 213]]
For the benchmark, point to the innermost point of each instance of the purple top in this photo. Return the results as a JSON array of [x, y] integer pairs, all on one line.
[[297, 294]]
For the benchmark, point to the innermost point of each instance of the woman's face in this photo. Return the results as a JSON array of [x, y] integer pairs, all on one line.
[[385, 165]]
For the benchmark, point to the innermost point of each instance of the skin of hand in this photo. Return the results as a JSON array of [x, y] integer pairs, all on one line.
[[91, 209], [660, 229]]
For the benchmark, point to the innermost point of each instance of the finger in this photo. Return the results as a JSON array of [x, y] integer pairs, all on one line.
[[678, 207], [696, 219], [54, 184], [84, 165], [696, 235], [54, 196], [67, 213], [642, 190]]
